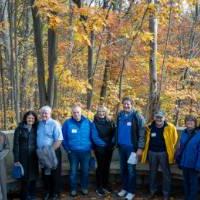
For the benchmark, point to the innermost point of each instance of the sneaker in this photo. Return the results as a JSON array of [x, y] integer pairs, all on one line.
[[129, 196], [100, 192], [84, 192], [122, 193], [73, 193]]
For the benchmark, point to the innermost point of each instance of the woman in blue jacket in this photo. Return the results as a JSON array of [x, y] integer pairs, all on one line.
[[190, 157], [102, 136]]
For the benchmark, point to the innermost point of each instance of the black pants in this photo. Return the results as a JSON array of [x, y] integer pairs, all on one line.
[[52, 181], [103, 156], [27, 189]]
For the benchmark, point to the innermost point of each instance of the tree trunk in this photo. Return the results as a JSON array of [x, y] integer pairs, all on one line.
[[16, 71], [90, 70], [70, 35], [3, 90], [105, 80], [153, 90], [51, 63], [37, 27], [11, 36], [24, 65]]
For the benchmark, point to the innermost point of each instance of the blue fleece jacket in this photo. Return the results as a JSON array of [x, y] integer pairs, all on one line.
[[77, 134], [191, 154]]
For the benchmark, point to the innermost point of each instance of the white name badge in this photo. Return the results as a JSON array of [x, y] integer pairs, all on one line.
[[129, 123], [74, 130], [153, 134]]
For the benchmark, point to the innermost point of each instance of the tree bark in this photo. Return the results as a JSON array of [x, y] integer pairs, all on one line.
[[90, 70], [37, 27], [3, 90], [16, 71], [105, 80], [51, 62], [153, 89]]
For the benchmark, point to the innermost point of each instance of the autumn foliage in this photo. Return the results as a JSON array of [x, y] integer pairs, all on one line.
[[120, 43]]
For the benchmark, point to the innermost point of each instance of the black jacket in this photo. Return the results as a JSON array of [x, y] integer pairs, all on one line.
[[106, 130], [24, 150]]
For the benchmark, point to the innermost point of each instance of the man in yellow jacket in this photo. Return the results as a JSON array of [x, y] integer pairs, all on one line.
[[161, 139]]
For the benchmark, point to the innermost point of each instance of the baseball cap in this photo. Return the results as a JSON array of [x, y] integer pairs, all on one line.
[[159, 113]]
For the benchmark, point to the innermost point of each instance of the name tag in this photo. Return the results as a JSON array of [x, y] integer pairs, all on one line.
[[74, 130], [129, 123], [153, 134]]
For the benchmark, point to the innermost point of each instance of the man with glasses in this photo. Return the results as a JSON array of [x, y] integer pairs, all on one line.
[[130, 140]]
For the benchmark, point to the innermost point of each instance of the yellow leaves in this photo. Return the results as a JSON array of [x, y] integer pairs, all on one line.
[[86, 39], [54, 21], [146, 36], [82, 38], [68, 80], [52, 10]]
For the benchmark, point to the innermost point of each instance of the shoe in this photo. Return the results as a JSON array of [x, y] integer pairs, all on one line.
[[32, 197], [107, 189], [151, 196], [73, 193], [165, 198], [55, 197], [46, 196], [122, 193], [84, 191], [100, 192], [129, 196]]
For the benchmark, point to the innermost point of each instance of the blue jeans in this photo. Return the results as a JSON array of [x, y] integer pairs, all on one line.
[[128, 171], [76, 158], [191, 184]]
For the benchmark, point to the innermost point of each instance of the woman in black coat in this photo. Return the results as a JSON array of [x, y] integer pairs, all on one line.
[[24, 150], [103, 135]]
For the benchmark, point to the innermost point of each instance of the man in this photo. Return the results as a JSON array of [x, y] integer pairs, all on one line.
[[49, 133], [77, 143], [130, 140], [161, 139], [4, 150]]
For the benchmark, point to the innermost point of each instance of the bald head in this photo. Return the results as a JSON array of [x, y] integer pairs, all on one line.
[[76, 112]]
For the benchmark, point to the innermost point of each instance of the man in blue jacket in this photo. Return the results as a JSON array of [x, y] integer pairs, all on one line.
[[77, 143], [130, 140]]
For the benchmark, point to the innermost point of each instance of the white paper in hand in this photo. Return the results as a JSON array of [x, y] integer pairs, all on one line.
[[132, 159]]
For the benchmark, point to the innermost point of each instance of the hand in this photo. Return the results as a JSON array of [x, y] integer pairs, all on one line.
[[17, 163], [139, 153]]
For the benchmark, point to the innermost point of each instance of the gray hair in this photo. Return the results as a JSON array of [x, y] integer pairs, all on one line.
[[77, 105], [102, 107], [46, 108]]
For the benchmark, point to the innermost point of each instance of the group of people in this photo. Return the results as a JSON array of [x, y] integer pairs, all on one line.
[[39, 142]]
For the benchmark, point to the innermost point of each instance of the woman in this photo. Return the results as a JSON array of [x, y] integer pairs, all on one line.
[[24, 150], [190, 157], [102, 135]]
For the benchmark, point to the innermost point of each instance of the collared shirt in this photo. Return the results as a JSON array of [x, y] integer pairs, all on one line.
[[48, 132]]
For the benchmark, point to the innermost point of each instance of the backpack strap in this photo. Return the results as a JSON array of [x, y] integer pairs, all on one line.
[[135, 134]]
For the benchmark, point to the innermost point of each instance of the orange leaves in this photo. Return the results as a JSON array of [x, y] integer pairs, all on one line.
[[52, 10]]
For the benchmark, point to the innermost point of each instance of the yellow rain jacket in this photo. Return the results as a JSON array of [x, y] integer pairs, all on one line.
[[170, 137]]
